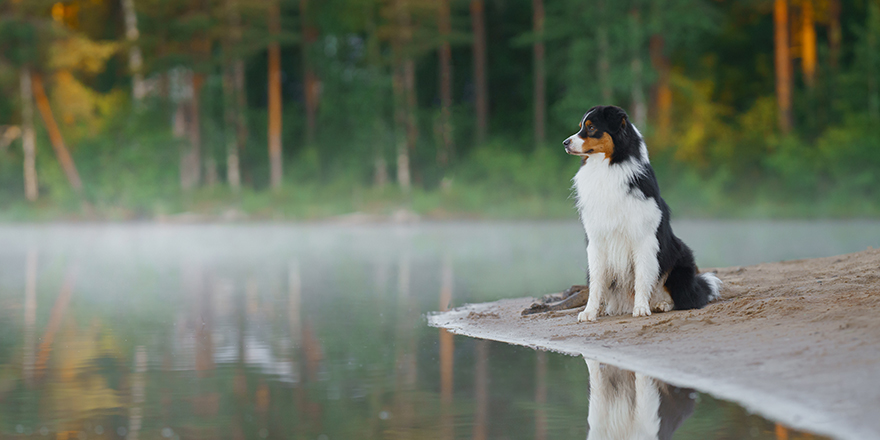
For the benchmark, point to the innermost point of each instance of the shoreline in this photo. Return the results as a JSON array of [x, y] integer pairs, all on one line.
[[796, 341]]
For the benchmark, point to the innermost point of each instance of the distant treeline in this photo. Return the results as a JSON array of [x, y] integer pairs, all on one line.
[[131, 108]]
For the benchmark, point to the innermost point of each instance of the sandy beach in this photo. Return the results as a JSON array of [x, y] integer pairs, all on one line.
[[797, 341]]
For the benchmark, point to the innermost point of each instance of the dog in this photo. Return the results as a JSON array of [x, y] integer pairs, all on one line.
[[636, 264], [632, 406]]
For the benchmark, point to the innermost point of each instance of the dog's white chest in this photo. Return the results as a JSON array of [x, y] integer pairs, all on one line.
[[608, 209]]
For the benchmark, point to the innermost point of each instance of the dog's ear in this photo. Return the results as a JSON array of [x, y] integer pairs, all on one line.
[[616, 118]]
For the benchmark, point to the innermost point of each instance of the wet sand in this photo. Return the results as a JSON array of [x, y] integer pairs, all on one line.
[[797, 341]]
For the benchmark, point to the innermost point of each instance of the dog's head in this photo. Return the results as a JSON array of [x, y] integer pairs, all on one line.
[[604, 130]]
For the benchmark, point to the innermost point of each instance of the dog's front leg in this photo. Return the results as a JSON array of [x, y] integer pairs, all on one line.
[[646, 271], [598, 284]]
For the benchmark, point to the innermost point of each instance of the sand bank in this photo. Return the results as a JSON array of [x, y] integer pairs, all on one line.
[[797, 341]]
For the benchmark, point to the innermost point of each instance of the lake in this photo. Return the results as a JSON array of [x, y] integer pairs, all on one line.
[[317, 331]]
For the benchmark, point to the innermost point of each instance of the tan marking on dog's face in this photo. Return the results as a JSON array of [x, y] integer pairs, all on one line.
[[603, 144]]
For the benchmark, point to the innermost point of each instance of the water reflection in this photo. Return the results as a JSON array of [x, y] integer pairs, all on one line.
[[304, 332], [629, 405]]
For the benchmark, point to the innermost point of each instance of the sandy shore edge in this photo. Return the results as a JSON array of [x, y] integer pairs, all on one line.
[[797, 341]]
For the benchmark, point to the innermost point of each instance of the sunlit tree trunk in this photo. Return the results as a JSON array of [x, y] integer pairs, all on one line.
[[135, 59], [481, 87], [444, 154], [311, 83], [540, 99], [783, 64], [639, 108], [54, 133], [808, 42], [275, 99], [604, 64], [28, 138]]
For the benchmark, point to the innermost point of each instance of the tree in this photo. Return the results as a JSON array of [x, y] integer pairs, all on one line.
[[275, 98], [135, 58], [445, 152], [540, 77], [808, 42], [55, 137], [481, 86], [28, 139], [311, 84], [783, 64]]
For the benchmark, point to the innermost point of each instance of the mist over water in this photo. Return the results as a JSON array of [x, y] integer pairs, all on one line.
[[316, 331]]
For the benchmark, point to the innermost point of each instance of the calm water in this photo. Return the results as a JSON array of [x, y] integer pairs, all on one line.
[[317, 331]]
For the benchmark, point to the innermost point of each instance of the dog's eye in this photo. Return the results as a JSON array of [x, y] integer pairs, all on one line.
[[591, 129]]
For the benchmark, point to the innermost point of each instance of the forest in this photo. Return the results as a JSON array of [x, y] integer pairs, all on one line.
[[309, 109]]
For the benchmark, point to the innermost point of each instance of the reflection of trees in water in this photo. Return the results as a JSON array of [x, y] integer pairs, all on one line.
[[220, 349]]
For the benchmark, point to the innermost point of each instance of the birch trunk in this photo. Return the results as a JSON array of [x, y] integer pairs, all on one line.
[[135, 59], [28, 138]]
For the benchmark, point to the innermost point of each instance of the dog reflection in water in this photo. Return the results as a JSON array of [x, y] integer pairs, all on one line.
[[630, 406]]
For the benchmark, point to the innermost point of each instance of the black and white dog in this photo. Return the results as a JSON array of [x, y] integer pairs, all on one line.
[[636, 264]]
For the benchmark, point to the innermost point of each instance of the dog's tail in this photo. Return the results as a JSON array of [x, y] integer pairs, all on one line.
[[690, 290], [714, 285]]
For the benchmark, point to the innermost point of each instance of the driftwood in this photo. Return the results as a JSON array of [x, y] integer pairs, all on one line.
[[574, 296]]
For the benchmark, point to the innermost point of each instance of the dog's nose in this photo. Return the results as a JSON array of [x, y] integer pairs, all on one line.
[[566, 142]]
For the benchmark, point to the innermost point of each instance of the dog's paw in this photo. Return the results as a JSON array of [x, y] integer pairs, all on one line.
[[664, 307], [641, 310], [588, 315]]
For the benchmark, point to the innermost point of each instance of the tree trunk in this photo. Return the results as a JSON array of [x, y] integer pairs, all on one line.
[[275, 99], [540, 98], [191, 160], [662, 99], [54, 133], [808, 43], [374, 59], [135, 59], [783, 64], [400, 89], [233, 106], [481, 88], [444, 154], [28, 138], [403, 178], [834, 33], [311, 83], [639, 108], [409, 83], [233, 176], [604, 53]]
